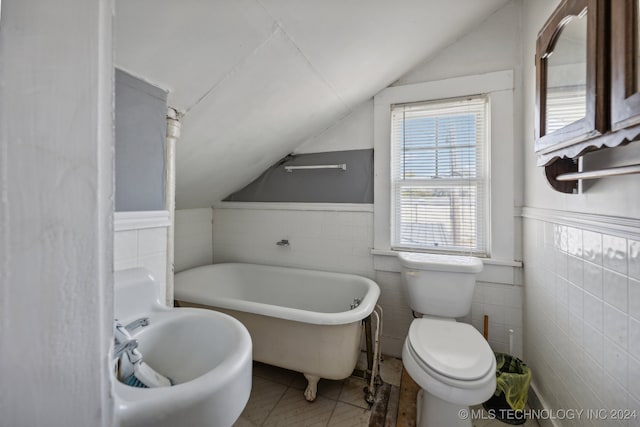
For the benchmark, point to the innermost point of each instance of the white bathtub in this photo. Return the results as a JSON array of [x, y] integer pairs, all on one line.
[[298, 319]]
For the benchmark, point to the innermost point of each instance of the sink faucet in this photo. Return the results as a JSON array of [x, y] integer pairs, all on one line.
[[129, 366], [124, 347], [131, 326], [123, 342]]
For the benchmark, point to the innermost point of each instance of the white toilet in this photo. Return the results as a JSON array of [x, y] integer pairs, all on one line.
[[451, 362]]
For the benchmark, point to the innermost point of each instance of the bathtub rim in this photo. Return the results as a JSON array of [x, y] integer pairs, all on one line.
[[359, 313]]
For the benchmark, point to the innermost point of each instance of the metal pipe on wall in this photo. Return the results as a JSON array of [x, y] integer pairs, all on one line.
[[173, 134]]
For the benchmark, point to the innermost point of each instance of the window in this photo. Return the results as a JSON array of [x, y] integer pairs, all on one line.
[[439, 175]]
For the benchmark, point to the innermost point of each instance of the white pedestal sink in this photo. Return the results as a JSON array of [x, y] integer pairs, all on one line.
[[206, 354]]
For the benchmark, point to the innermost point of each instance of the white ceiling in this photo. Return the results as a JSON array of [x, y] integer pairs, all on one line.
[[255, 78]]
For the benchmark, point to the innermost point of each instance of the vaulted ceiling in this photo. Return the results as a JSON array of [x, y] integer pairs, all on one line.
[[255, 78]]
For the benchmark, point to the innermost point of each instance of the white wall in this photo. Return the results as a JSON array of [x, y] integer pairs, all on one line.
[[342, 241], [581, 288], [335, 237], [492, 46], [332, 237], [56, 212], [303, 65], [140, 240], [193, 238], [582, 311], [354, 131]]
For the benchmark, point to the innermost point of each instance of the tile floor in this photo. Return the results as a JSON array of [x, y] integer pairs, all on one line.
[[277, 400]]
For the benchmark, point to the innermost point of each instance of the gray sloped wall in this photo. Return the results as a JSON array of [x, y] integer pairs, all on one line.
[[354, 185]]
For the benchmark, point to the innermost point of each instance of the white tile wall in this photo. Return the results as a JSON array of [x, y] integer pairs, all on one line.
[[192, 237], [342, 241], [397, 314], [586, 277], [503, 304], [322, 240], [146, 248]]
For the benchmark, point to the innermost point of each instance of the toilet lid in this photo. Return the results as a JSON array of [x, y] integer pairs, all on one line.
[[455, 350]]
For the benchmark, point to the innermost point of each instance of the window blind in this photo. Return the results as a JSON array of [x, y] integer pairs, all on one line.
[[439, 175]]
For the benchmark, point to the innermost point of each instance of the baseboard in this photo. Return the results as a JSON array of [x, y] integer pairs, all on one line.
[[537, 403]]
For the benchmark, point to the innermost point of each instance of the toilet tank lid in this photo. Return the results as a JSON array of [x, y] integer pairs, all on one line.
[[439, 262]]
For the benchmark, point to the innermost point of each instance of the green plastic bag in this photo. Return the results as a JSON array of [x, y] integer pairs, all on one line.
[[513, 377]]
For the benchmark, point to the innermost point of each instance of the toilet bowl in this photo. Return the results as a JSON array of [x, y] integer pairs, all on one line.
[[450, 361], [453, 365]]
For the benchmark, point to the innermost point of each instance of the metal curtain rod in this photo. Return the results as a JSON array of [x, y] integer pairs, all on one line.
[[342, 166], [600, 173]]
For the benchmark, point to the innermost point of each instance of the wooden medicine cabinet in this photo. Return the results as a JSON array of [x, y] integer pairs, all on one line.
[[587, 84], [570, 71], [625, 78]]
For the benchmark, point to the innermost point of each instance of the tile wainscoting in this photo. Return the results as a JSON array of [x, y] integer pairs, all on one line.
[[193, 246], [582, 311], [329, 237], [140, 240], [339, 237], [502, 302]]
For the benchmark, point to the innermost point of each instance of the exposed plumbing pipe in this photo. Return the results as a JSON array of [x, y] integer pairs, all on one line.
[[376, 366], [374, 379], [173, 134]]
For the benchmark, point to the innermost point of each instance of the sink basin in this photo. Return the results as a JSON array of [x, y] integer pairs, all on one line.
[[206, 354]]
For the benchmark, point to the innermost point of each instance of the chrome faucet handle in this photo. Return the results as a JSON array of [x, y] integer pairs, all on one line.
[[143, 321], [120, 333], [122, 340], [124, 347]]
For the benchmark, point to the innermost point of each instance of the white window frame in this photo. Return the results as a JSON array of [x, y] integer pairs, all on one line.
[[483, 167], [498, 87]]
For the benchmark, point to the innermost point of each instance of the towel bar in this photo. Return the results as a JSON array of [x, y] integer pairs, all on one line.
[[342, 166], [599, 173]]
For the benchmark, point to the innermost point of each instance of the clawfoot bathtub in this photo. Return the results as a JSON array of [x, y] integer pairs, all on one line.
[[303, 320]]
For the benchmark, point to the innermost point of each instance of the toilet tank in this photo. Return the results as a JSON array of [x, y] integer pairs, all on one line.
[[439, 285]]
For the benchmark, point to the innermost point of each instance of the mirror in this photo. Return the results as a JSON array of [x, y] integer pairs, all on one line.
[[587, 83], [625, 65], [571, 79], [566, 91]]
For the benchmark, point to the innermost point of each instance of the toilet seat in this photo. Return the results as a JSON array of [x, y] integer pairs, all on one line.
[[455, 353]]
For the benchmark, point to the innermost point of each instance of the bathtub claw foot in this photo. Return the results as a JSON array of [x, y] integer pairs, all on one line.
[[312, 387]]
